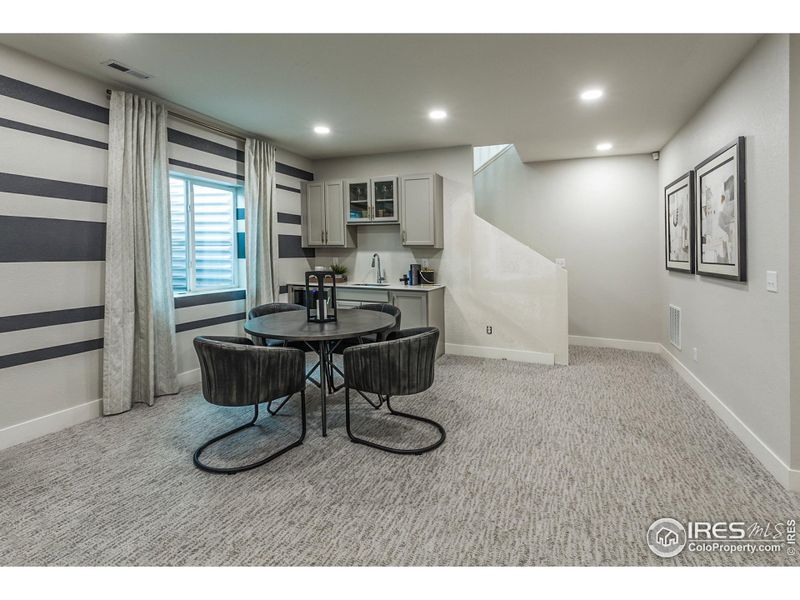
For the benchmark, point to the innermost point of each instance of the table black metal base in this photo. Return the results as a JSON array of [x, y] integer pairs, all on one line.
[[293, 326], [327, 379]]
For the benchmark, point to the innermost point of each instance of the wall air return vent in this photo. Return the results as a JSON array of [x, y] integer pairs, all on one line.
[[115, 64], [675, 326]]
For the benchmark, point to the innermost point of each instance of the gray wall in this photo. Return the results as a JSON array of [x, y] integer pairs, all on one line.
[[741, 331], [598, 214], [53, 163]]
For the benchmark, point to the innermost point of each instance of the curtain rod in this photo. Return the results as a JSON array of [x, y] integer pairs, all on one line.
[[201, 123]]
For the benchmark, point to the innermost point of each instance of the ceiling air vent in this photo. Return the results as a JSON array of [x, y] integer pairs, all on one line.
[[115, 64]]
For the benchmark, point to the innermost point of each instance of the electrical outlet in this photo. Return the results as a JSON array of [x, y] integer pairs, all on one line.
[[694, 354], [772, 281], [488, 330], [424, 263]]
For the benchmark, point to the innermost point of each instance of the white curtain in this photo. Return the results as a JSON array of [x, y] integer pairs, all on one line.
[[139, 359], [259, 191]]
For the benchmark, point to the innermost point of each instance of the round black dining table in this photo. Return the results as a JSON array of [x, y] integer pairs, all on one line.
[[322, 338]]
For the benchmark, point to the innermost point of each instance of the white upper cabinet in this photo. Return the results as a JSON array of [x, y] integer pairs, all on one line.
[[384, 199], [371, 200], [323, 210], [330, 209], [314, 217], [357, 200], [334, 214], [421, 210]]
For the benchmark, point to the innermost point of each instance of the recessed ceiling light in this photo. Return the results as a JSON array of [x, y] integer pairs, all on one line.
[[438, 114], [322, 129], [604, 146], [592, 94]]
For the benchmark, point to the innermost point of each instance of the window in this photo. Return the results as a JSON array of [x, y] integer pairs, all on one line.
[[203, 234]]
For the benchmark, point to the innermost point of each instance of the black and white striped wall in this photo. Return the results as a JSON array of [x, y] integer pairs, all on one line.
[[53, 177]]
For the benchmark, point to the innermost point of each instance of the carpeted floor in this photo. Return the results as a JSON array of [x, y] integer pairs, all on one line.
[[542, 466]]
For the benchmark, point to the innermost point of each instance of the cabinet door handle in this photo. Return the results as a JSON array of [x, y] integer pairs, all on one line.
[[404, 236]]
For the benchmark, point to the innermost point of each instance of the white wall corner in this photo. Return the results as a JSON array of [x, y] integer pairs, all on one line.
[[598, 342], [528, 356], [786, 476]]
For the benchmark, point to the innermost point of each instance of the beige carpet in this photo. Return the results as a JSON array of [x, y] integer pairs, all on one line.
[[542, 466]]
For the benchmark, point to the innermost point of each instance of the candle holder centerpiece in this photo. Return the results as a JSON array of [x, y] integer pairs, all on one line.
[[320, 300]]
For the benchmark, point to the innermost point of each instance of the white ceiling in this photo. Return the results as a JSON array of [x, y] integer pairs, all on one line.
[[375, 91]]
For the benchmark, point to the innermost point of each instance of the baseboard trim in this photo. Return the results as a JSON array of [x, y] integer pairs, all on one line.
[[34, 428], [786, 476], [189, 377], [598, 342], [68, 417], [542, 358]]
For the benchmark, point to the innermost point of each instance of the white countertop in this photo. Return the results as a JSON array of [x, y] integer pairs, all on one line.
[[397, 287]]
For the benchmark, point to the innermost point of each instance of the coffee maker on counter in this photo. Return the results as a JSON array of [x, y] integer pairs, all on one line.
[[419, 275]]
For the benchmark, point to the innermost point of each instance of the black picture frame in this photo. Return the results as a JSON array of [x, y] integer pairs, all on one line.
[[734, 267], [685, 181]]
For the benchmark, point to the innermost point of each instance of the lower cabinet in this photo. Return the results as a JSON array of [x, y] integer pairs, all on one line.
[[421, 309], [413, 308]]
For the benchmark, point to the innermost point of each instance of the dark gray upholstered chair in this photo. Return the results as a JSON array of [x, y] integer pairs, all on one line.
[[271, 309], [235, 372], [343, 345], [400, 366], [389, 309]]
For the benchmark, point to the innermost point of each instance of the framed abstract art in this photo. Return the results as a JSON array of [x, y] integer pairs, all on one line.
[[679, 224], [720, 213]]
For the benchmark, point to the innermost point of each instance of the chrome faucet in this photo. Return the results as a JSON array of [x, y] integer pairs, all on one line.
[[379, 273]]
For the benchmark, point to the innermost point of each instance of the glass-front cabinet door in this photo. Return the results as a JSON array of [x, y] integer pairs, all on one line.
[[384, 199], [358, 204]]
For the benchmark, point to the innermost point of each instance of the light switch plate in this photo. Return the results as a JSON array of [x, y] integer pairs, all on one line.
[[562, 262], [772, 281]]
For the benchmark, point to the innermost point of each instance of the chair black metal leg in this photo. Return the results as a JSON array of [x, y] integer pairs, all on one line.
[[310, 374], [323, 400], [336, 388], [274, 455], [375, 405], [331, 386], [397, 413], [282, 404]]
